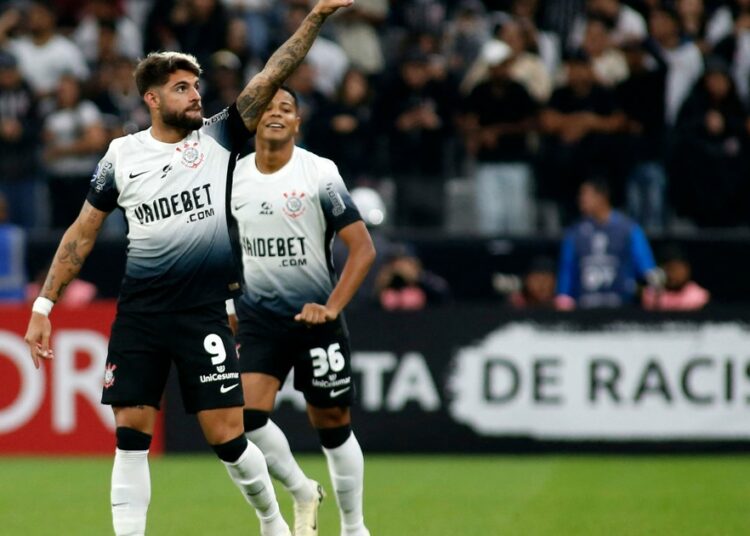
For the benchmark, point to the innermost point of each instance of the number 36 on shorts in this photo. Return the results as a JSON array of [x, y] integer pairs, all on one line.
[[324, 359]]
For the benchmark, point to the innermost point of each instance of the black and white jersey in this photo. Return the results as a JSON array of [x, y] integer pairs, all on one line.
[[174, 196], [286, 222]]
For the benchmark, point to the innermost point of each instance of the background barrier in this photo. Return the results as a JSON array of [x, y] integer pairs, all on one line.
[[56, 410], [460, 378]]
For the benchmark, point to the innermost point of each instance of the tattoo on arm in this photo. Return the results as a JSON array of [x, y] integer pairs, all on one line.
[[258, 93], [70, 255]]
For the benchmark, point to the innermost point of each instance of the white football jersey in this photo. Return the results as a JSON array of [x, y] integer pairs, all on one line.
[[174, 197], [287, 222]]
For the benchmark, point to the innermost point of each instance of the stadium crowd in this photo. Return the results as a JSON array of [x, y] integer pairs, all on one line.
[[522, 99]]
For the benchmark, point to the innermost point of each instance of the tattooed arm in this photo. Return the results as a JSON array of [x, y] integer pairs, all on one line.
[[260, 90], [74, 247]]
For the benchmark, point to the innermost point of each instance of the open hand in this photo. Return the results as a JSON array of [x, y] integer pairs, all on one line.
[[37, 337]]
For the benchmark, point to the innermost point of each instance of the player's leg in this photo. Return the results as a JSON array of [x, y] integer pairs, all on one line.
[[260, 394], [131, 481], [245, 463], [345, 464], [323, 373], [211, 387], [134, 379]]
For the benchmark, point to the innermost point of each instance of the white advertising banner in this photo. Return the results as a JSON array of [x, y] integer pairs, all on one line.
[[680, 381]]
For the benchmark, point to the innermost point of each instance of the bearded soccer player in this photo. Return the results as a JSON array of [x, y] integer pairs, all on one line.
[[288, 204], [171, 181]]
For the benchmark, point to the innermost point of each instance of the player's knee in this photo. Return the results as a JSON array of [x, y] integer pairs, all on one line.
[[232, 450], [132, 439], [254, 419], [330, 438]]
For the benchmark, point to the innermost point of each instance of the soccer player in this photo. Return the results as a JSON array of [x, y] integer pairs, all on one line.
[[288, 204], [171, 181]]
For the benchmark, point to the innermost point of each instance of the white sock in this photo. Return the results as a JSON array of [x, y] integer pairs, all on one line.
[[250, 474], [130, 492], [346, 464], [281, 463]]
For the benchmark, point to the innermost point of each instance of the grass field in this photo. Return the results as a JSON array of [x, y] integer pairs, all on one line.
[[406, 495]]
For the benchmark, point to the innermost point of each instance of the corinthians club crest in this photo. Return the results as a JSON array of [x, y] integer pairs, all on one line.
[[192, 157], [109, 375], [293, 206]]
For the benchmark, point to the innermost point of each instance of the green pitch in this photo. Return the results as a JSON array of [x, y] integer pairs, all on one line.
[[405, 496]]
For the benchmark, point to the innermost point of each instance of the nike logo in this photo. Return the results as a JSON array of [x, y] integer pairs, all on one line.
[[225, 389], [134, 175], [237, 207], [334, 393], [114, 505]]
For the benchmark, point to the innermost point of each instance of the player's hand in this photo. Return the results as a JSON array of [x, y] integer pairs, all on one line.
[[327, 7], [313, 314], [37, 337]]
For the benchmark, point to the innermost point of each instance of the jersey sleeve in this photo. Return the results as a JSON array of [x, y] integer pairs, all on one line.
[[103, 189], [338, 207], [228, 129], [641, 251]]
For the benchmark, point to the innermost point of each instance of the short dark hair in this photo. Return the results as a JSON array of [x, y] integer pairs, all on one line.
[[154, 69], [599, 184], [292, 93]]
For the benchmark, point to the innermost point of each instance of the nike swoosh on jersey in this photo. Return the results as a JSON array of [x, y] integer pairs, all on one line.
[[224, 389], [134, 175], [334, 393], [237, 207]]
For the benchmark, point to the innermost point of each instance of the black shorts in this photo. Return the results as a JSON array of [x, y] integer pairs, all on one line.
[[143, 345], [320, 355]]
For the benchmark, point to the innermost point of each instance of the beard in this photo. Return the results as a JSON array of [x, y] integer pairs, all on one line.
[[181, 120]]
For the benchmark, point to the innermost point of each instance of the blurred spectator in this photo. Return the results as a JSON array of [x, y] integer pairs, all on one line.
[[539, 40], [683, 58], [311, 103], [355, 29], [225, 82], [105, 13], [237, 44], [680, 292], [415, 111], [403, 284], [74, 139], [526, 67], [116, 96], [582, 125], [725, 19], [709, 163], [12, 257], [734, 48], [19, 139], [44, 56], [465, 34], [537, 286], [326, 56], [626, 23], [500, 116], [77, 294], [693, 21], [603, 255], [346, 133], [560, 16], [609, 63], [642, 99], [258, 18], [200, 27]]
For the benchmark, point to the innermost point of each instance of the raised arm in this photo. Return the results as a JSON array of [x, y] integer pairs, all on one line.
[[74, 247], [263, 86]]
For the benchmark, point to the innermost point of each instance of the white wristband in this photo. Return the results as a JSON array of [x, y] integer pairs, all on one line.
[[42, 305], [230, 307]]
